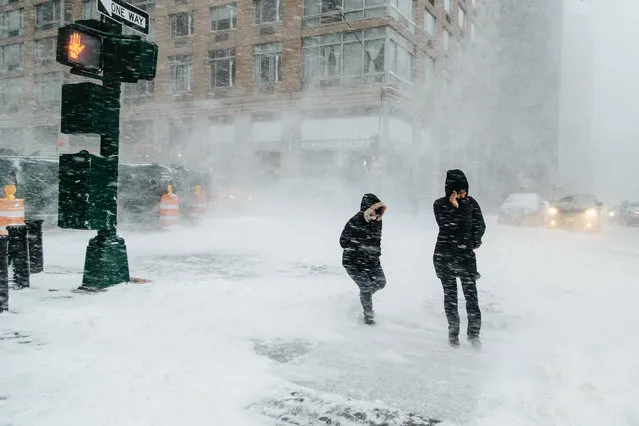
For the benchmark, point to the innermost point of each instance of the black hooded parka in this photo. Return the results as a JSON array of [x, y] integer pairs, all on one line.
[[361, 238], [460, 231]]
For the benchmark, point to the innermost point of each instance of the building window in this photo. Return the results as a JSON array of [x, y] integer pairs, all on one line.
[[448, 6], [223, 17], [90, 10], [12, 23], [429, 75], [45, 50], [48, 15], [11, 57], [405, 7], [181, 24], [319, 12], [446, 41], [461, 18], [222, 68], [11, 93], [430, 24], [401, 61], [181, 67], [221, 119], [267, 63], [48, 90], [340, 59], [267, 11], [141, 89]]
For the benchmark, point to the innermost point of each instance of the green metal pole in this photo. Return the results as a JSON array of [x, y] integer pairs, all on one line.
[[106, 261]]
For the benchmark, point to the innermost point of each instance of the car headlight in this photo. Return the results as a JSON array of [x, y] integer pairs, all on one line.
[[553, 211], [591, 212]]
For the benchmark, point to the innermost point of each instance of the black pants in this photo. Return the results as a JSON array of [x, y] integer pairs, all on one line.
[[469, 288], [369, 279]]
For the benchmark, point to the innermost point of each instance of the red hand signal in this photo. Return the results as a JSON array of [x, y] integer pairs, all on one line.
[[75, 46]]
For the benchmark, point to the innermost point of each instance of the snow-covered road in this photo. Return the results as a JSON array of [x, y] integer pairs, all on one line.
[[244, 311]]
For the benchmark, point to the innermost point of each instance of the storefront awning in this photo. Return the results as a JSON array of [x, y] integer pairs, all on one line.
[[336, 145]]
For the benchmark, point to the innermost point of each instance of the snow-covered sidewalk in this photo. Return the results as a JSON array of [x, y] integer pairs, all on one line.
[[243, 312]]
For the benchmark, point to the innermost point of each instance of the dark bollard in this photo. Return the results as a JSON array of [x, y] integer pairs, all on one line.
[[36, 251], [19, 254], [4, 273]]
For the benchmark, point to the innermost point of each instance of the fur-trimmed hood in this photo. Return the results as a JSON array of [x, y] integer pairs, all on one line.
[[370, 203]]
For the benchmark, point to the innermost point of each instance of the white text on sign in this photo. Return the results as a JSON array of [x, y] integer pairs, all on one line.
[[128, 15]]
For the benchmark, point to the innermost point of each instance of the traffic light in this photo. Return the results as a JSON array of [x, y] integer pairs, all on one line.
[[88, 183], [89, 48], [80, 47], [84, 110], [85, 201], [130, 59]]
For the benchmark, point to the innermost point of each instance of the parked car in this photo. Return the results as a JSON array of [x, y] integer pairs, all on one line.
[[629, 213], [579, 211], [523, 209]]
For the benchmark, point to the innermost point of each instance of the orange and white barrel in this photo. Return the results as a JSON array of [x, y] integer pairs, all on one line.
[[199, 204], [169, 209], [11, 210], [377, 165]]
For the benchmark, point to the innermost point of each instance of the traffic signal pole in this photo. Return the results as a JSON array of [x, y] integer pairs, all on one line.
[[87, 196], [106, 262]]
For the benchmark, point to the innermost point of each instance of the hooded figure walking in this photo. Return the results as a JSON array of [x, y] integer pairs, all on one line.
[[361, 240], [461, 228]]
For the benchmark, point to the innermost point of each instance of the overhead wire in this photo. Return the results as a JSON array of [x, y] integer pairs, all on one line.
[[355, 33]]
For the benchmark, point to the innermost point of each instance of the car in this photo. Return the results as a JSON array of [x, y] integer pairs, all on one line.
[[629, 213], [523, 209], [233, 198], [579, 211]]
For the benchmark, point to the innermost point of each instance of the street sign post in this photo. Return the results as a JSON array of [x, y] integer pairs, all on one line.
[[88, 183], [126, 14]]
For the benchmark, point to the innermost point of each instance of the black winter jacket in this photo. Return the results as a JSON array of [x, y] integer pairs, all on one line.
[[361, 238], [460, 231]]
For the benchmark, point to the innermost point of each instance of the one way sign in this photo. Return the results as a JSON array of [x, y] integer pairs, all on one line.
[[125, 14]]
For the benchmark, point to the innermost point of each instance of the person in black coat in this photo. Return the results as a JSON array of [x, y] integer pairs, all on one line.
[[461, 229], [361, 240]]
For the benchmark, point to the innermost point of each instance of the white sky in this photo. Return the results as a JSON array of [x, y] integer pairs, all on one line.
[[614, 155]]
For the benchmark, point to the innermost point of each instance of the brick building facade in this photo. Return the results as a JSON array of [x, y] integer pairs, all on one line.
[[274, 86]]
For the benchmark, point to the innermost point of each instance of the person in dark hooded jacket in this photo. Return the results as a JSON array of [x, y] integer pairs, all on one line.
[[461, 229], [361, 240]]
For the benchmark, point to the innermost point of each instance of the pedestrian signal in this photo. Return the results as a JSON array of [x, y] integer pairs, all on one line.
[[80, 47]]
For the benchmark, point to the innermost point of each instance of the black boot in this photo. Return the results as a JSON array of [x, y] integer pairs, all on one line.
[[474, 340], [453, 340], [369, 317]]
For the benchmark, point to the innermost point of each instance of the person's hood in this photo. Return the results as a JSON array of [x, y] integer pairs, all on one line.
[[370, 203], [455, 181]]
